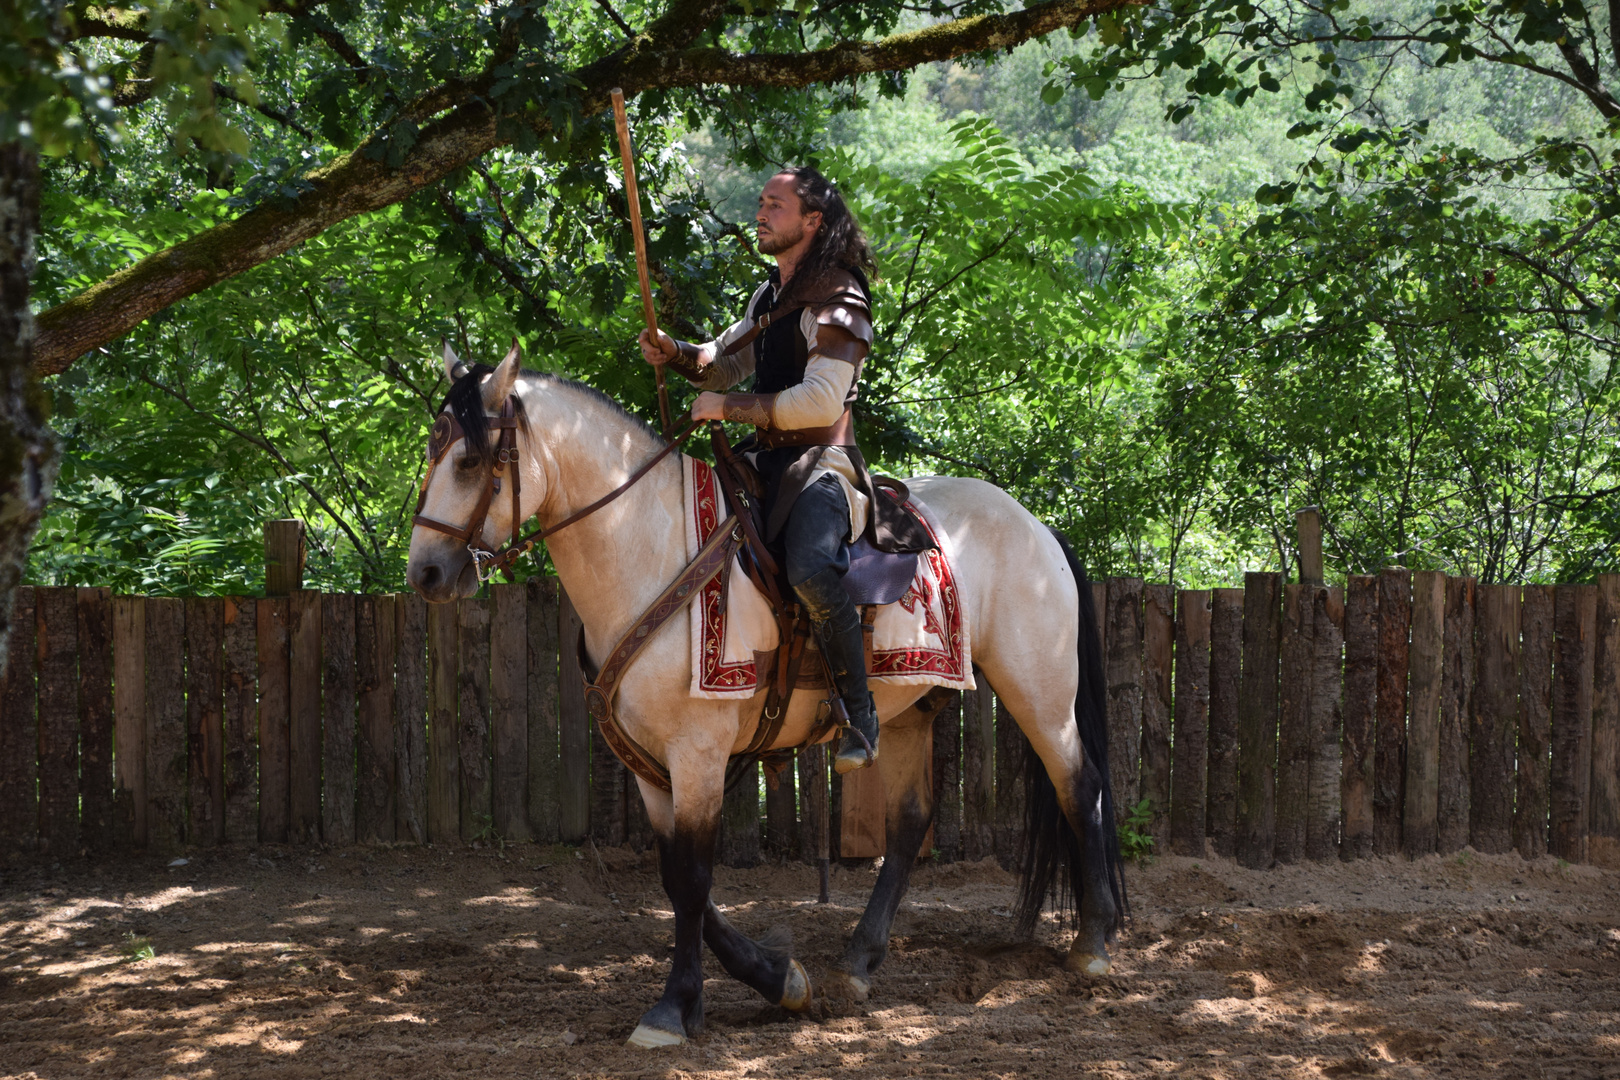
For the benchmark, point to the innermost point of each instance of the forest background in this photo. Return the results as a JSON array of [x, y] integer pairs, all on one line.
[[1167, 278]]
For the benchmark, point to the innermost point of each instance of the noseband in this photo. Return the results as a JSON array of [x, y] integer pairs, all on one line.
[[447, 431]]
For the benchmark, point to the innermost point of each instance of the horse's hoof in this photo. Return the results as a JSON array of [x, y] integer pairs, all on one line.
[[650, 1037], [859, 988], [1088, 963], [796, 993]]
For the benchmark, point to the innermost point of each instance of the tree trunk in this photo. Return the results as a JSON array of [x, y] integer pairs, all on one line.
[[28, 453]]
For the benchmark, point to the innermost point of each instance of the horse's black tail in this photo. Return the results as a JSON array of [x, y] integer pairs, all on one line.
[[1051, 850]]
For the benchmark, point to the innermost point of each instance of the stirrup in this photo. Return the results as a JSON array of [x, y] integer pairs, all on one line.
[[871, 752]]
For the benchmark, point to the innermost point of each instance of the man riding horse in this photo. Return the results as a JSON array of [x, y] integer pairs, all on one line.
[[804, 339]]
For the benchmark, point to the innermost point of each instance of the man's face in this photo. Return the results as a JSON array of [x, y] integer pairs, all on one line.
[[781, 222]]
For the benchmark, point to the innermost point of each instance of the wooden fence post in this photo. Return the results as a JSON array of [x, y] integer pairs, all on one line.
[[304, 716], [1190, 742], [780, 812], [1322, 810], [1495, 720], [273, 749], [340, 634], [1420, 811], [472, 706], [544, 778], [1257, 719], [1225, 681], [1123, 662], [509, 701], [1158, 637], [1294, 743], [1456, 708], [166, 722], [1389, 735], [375, 751], [241, 704], [1570, 781], [443, 743], [410, 718], [947, 777], [96, 831], [814, 818], [1009, 798], [57, 627], [205, 718], [1605, 818], [19, 733], [574, 731], [1308, 526], [283, 556], [1534, 720], [739, 819], [978, 770], [129, 718], [1360, 714]]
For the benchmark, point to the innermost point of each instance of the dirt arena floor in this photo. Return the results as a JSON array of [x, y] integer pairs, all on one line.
[[536, 962]]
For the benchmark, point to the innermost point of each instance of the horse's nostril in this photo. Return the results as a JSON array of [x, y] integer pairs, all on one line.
[[423, 577]]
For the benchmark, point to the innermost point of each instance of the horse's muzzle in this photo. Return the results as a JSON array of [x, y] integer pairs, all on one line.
[[441, 581]]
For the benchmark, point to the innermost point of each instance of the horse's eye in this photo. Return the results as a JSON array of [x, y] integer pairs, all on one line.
[[470, 464]]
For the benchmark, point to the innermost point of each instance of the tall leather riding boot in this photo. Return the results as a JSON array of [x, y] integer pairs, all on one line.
[[837, 625]]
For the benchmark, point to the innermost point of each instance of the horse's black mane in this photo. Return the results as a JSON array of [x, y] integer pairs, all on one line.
[[466, 403]]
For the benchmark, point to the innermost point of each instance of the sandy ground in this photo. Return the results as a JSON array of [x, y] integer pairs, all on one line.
[[536, 962]]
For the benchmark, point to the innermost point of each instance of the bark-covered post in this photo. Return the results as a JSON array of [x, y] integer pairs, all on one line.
[[1258, 708], [283, 556], [28, 454]]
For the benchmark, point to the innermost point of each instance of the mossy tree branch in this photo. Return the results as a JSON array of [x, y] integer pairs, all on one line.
[[661, 57]]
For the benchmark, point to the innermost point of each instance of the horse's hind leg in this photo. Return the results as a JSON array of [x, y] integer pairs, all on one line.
[[908, 790]]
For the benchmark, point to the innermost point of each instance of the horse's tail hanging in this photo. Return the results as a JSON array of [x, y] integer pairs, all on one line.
[[1052, 864]]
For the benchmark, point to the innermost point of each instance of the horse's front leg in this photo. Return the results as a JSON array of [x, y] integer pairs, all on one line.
[[909, 797], [685, 823]]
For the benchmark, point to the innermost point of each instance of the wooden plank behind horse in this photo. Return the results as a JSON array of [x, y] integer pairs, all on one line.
[[1257, 719], [1322, 812], [1009, 804], [304, 716], [814, 836], [573, 734], [978, 771], [205, 718], [1294, 744], [129, 719], [444, 747], [739, 819], [781, 832], [19, 733], [472, 708], [509, 704], [541, 703], [410, 719], [609, 779], [1496, 719], [57, 630], [1534, 719], [165, 722], [1158, 635], [1604, 827], [241, 709], [338, 671], [1360, 714], [375, 751], [96, 832], [1225, 679], [273, 748], [1456, 706], [1389, 734], [1190, 739], [947, 775], [1569, 792], [1123, 663], [1421, 809]]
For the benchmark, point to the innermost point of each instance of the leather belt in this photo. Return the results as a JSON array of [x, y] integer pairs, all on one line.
[[840, 432]]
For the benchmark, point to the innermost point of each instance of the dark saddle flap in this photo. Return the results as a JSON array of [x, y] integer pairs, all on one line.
[[878, 577]]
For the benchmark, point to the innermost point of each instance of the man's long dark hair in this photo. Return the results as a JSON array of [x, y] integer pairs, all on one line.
[[839, 244]]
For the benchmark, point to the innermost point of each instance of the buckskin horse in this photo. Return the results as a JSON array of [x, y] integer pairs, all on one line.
[[608, 494]]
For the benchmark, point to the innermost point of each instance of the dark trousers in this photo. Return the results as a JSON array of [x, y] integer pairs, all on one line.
[[816, 536]]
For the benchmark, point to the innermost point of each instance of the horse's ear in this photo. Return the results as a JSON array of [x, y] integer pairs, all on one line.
[[453, 367], [501, 381]]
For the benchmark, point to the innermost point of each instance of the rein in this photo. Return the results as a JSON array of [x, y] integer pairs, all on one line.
[[447, 431]]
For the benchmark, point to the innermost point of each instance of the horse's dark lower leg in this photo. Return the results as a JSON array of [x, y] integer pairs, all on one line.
[[1098, 913], [907, 779], [761, 965], [686, 864]]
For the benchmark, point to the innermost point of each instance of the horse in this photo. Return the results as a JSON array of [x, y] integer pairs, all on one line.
[[1024, 597]]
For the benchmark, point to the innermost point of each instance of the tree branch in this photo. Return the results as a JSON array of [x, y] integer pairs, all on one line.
[[357, 183]]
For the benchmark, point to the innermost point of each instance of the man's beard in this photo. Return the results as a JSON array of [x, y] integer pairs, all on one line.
[[775, 243]]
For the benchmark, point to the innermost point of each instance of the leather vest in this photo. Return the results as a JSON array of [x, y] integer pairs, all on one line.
[[781, 353]]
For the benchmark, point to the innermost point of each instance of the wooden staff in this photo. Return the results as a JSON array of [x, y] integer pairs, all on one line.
[[627, 157]]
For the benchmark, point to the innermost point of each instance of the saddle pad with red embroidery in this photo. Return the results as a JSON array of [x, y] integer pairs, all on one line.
[[921, 639]]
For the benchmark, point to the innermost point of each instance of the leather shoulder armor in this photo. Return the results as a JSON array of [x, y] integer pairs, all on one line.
[[840, 301]]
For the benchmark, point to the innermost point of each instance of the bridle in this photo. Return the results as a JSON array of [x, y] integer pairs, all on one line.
[[447, 431]]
